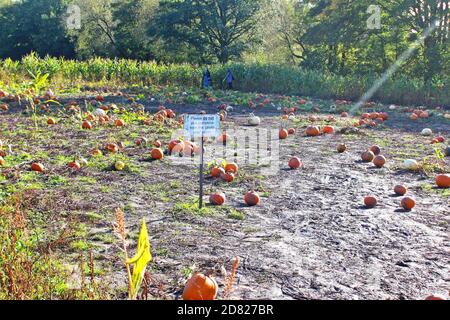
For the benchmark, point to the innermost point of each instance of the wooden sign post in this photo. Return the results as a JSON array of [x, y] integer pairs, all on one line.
[[201, 126]]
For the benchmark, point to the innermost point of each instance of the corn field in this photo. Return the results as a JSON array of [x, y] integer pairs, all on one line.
[[255, 77]]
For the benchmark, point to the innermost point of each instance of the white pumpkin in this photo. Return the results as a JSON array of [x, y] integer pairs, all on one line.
[[49, 93], [99, 113], [427, 132], [392, 107], [254, 120], [411, 164], [83, 162]]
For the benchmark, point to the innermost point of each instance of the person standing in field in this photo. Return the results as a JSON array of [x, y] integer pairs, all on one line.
[[229, 79], [207, 79]]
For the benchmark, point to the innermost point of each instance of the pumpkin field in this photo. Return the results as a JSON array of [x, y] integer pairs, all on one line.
[[358, 208]]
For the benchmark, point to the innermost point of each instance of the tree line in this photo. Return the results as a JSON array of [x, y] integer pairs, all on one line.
[[331, 36]]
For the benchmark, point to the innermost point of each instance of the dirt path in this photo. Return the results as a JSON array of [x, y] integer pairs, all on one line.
[[309, 239], [312, 238]]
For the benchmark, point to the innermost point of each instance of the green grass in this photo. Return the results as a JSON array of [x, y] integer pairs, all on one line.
[[236, 215], [192, 208], [426, 187]]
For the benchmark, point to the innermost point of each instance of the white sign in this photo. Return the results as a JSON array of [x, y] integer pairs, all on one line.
[[207, 125]]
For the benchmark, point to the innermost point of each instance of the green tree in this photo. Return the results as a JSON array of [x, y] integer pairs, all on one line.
[[216, 29], [34, 25], [131, 34]]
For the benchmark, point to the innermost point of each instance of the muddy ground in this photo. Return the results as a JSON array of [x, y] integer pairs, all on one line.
[[310, 238]]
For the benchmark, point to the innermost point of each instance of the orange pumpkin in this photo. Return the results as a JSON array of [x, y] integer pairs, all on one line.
[[232, 167], [2, 161], [312, 131], [197, 149], [188, 150], [443, 181], [408, 203], [367, 156], [119, 123], [400, 190], [174, 143], [157, 144], [227, 176], [178, 148], [295, 163], [74, 165], [423, 115], [112, 147], [374, 115], [86, 125], [216, 172], [365, 116], [200, 287], [283, 134], [434, 141], [141, 142], [96, 152], [328, 129], [157, 154], [38, 167], [370, 201], [51, 121], [217, 199], [291, 131], [379, 161], [251, 198], [414, 117], [170, 113]]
